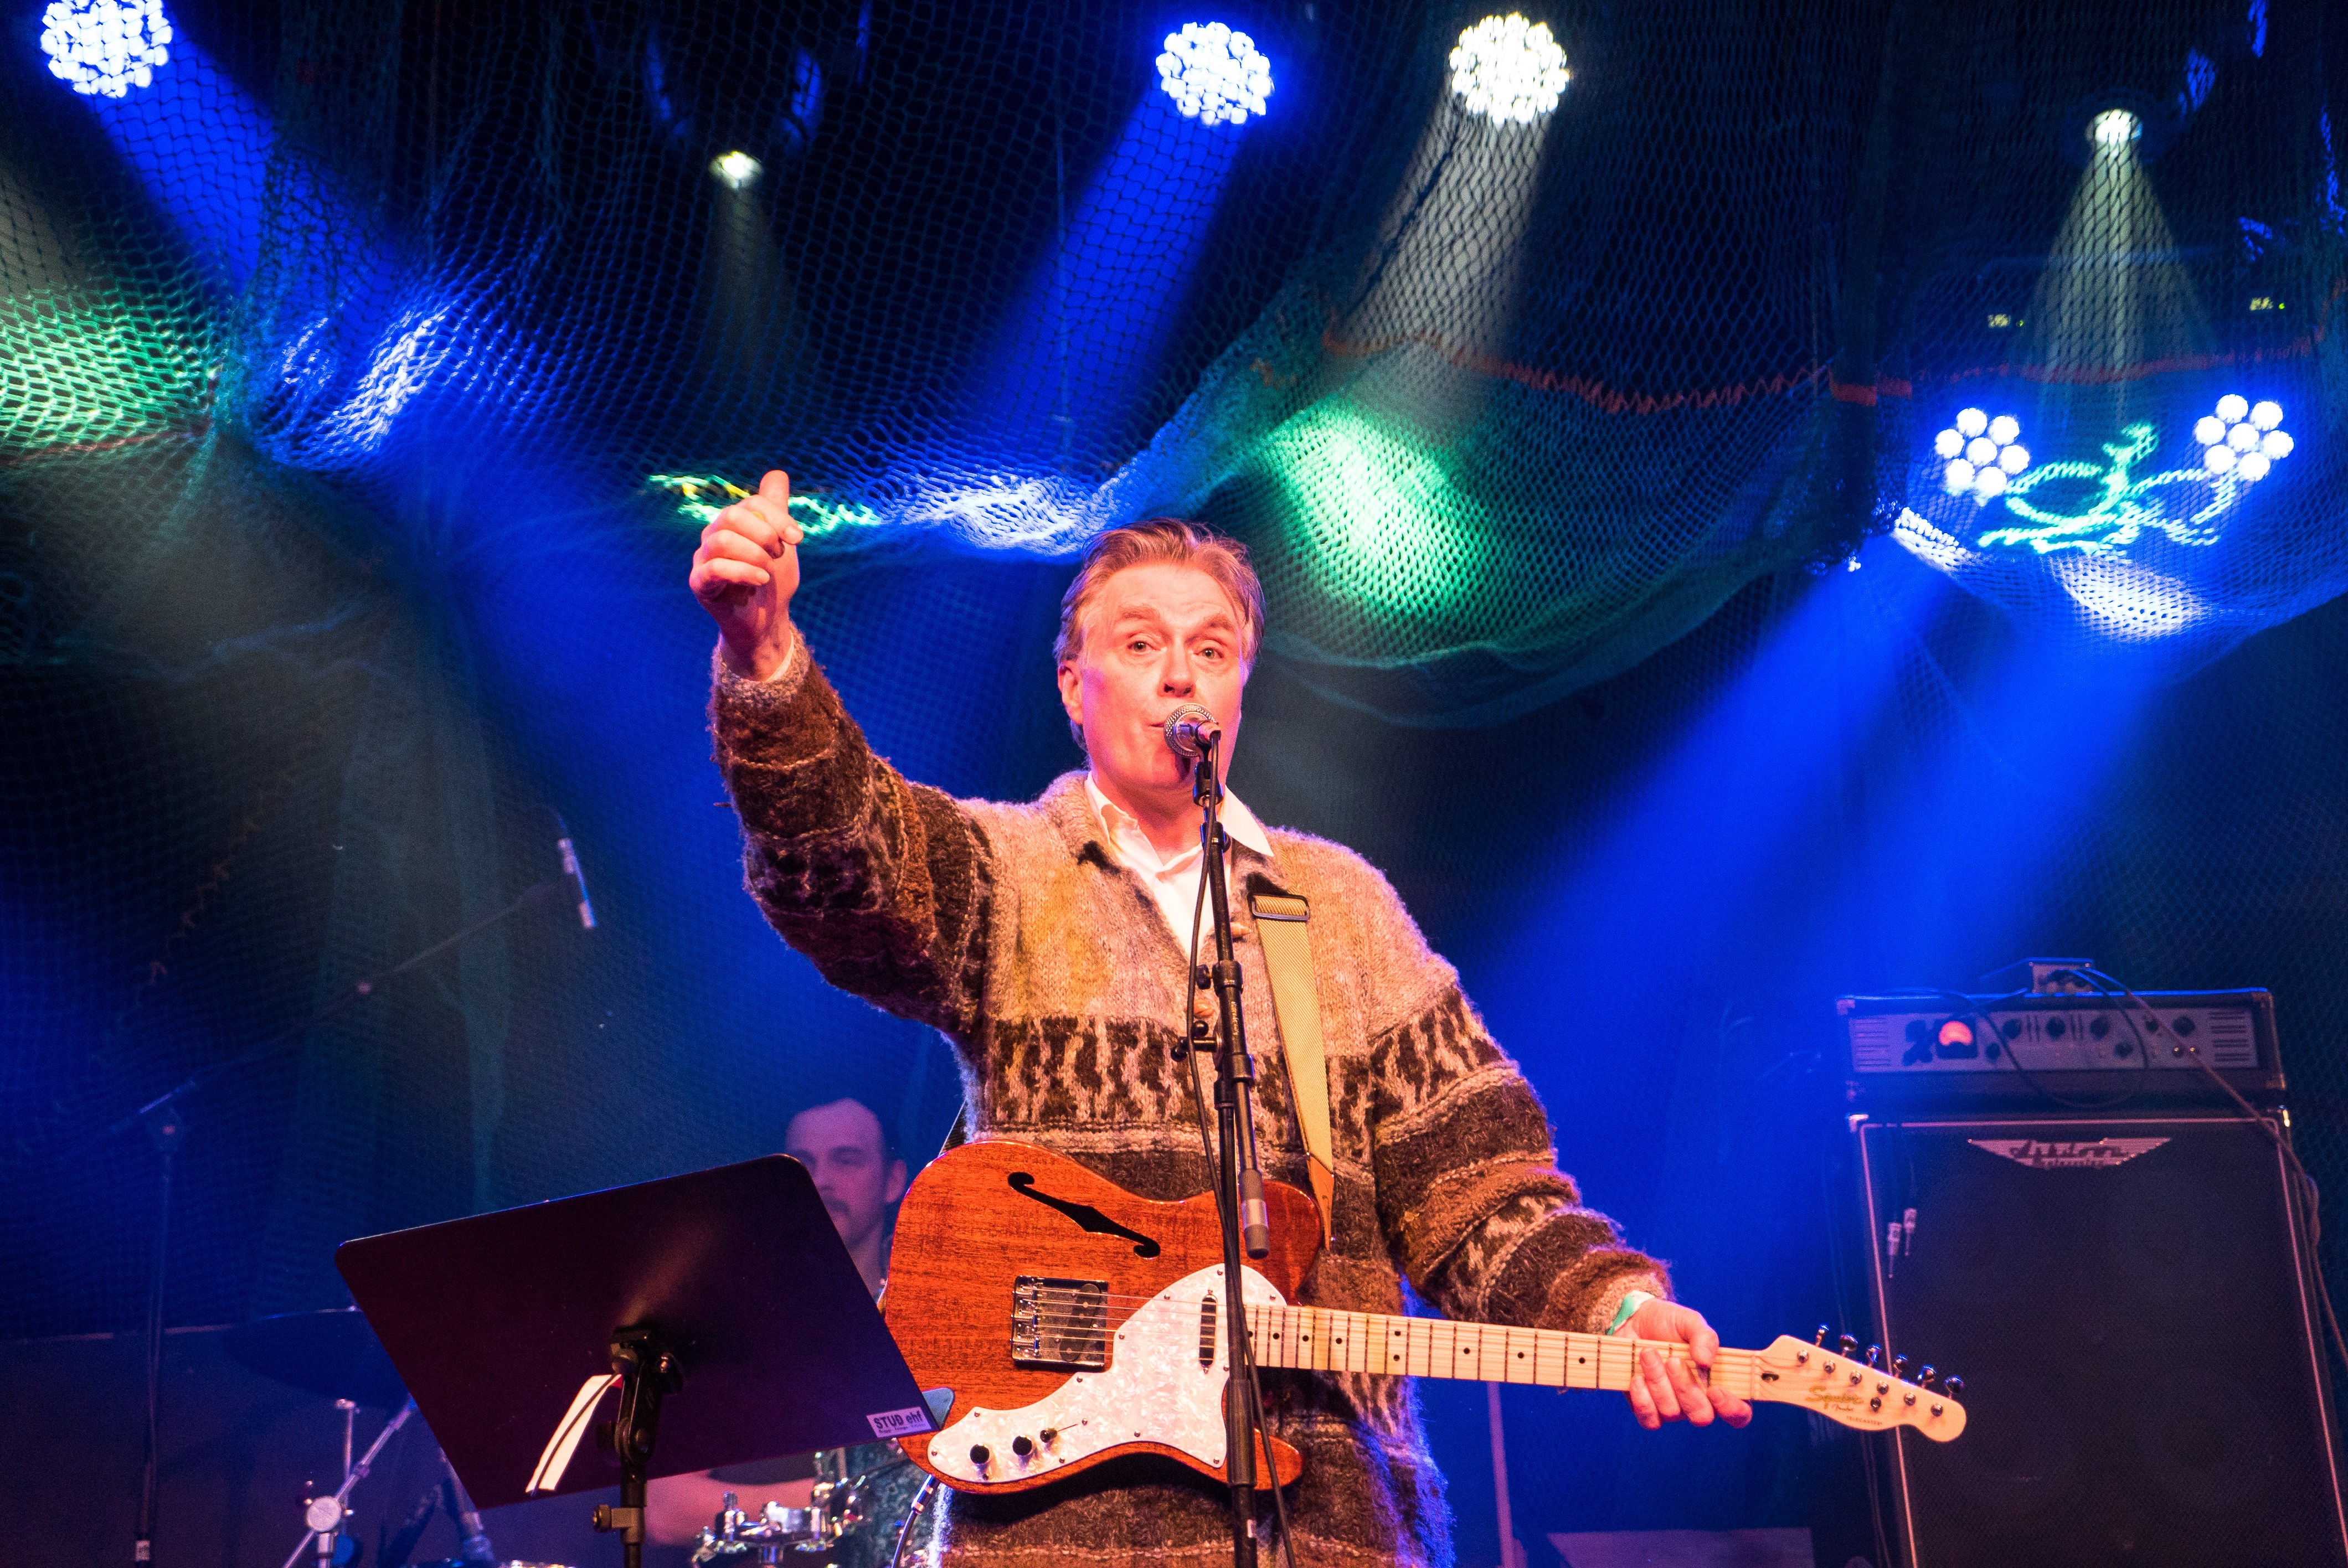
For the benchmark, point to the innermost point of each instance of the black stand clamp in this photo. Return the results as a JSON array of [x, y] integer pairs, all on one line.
[[648, 1374]]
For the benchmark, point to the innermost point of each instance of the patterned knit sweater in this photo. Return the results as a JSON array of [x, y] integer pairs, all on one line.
[[1011, 930]]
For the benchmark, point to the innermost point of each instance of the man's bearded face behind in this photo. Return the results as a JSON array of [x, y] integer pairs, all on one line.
[[841, 1146]]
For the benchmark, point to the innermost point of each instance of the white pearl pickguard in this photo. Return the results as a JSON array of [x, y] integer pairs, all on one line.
[[1153, 1390]]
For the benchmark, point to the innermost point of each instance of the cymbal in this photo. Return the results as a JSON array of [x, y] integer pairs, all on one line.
[[335, 1355]]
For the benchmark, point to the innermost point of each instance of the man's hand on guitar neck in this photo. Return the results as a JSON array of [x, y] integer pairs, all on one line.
[[1665, 1389]]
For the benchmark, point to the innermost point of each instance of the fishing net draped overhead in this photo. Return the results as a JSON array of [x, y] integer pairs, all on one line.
[[367, 371]]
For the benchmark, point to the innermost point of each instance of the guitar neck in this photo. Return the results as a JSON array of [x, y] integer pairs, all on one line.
[[1322, 1340]]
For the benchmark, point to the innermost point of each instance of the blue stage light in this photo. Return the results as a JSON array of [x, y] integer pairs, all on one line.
[[106, 46], [1213, 75], [1984, 454], [2242, 439], [1508, 69]]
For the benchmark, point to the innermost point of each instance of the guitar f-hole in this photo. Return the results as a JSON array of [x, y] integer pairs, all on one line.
[[1089, 1218]]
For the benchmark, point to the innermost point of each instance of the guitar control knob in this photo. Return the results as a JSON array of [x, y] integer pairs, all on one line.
[[1022, 1446], [980, 1454], [1049, 1435]]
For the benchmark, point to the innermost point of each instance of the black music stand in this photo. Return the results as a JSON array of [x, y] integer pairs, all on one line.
[[729, 1282]]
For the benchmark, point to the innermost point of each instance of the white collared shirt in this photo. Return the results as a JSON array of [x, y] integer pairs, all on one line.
[[1172, 879]]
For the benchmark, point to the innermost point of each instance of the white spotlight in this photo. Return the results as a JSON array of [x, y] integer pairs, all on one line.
[[1972, 421], [2005, 429], [1959, 475], [2210, 430], [106, 46], [2114, 129], [1947, 444], [2013, 460], [1981, 451], [1214, 75], [2275, 444], [2252, 466], [2218, 459], [1988, 483], [2266, 415], [2232, 409], [1509, 69], [737, 170]]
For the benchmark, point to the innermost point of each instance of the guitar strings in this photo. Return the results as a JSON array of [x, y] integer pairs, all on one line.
[[1548, 1343], [1729, 1361]]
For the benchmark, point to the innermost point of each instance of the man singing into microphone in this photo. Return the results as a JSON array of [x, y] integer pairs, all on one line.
[[1049, 942]]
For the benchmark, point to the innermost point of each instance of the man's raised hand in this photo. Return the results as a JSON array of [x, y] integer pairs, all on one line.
[[744, 573]]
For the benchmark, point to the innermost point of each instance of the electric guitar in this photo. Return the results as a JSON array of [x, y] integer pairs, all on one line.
[[1075, 1322]]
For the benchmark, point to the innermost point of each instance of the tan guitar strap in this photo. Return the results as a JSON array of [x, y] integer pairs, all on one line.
[[1283, 924]]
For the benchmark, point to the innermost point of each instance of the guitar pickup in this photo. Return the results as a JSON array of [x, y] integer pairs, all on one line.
[[1059, 1323]]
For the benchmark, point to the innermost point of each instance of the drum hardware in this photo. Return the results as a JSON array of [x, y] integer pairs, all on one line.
[[326, 1516], [861, 1518], [776, 1531]]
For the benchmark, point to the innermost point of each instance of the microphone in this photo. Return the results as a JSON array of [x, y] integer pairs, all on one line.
[[1189, 730], [571, 869]]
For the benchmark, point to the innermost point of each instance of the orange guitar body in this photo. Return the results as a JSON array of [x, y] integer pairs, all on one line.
[[989, 1215]]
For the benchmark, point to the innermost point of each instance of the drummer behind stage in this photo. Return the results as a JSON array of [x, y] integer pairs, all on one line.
[[843, 1147], [1046, 941]]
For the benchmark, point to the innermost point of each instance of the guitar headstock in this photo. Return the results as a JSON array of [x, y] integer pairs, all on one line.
[[1845, 1389]]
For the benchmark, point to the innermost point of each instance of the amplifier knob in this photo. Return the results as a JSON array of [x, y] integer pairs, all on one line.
[[2183, 1026], [2056, 1029], [2012, 1030], [2099, 1026]]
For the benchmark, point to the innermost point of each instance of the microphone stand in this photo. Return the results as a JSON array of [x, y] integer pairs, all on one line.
[[1238, 1183], [167, 1127]]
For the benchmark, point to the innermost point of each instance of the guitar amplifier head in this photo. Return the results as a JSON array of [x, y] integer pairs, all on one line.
[[1926, 1049]]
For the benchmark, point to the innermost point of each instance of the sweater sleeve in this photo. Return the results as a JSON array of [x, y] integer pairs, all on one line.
[[1477, 1215], [882, 883]]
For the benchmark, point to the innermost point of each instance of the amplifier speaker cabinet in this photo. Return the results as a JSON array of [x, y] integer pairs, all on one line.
[[2129, 1302]]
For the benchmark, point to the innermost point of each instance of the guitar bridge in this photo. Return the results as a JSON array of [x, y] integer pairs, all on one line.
[[1059, 1323]]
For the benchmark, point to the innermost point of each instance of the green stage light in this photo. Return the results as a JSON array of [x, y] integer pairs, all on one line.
[[1381, 521]]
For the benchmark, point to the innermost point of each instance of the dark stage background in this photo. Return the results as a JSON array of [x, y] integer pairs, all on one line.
[[364, 378]]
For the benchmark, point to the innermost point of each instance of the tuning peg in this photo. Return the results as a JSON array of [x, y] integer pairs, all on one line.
[[1899, 1368], [1953, 1384], [1820, 1337], [1849, 1344], [1926, 1373], [1874, 1354]]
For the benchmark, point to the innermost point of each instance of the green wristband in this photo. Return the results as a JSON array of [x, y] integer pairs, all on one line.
[[1630, 1308]]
